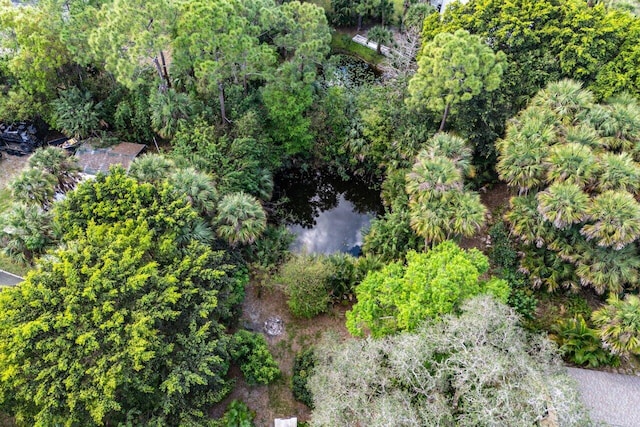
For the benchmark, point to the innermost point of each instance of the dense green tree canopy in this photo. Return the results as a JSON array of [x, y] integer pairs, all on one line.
[[574, 164], [399, 297], [453, 68]]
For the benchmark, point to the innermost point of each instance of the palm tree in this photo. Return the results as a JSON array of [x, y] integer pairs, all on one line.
[[563, 204], [57, 162], [168, 108], [607, 270], [614, 219], [198, 188], [565, 98], [430, 220], [34, 187], [618, 325], [619, 124], [151, 168], [380, 35], [468, 213], [26, 232], [526, 222], [523, 151], [452, 147], [431, 175], [571, 163], [240, 219], [618, 172]]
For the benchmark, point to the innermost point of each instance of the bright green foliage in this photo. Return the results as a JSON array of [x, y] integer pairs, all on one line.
[[306, 280], [303, 365], [479, 369], [618, 325], [237, 414], [37, 55], [434, 283], [575, 166], [126, 324], [26, 232], [453, 68], [75, 113], [240, 219], [116, 197], [250, 351], [580, 344]]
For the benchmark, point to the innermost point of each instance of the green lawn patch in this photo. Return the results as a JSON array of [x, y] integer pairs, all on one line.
[[342, 43], [5, 199]]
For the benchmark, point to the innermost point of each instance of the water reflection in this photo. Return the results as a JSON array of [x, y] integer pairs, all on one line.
[[336, 230], [326, 213]]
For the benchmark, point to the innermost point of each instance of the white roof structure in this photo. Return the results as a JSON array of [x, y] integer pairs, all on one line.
[[286, 422]]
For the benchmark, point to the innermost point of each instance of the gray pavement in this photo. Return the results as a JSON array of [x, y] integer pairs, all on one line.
[[612, 399], [7, 278]]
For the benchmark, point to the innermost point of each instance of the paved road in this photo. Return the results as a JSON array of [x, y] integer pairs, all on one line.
[[9, 279], [613, 399]]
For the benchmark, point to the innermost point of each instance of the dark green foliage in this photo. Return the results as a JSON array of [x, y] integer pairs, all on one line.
[[131, 117], [75, 113], [271, 248], [581, 345], [344, 278], [502, 253], [302, 366], [250, 351], [237, 414], [391, 237]]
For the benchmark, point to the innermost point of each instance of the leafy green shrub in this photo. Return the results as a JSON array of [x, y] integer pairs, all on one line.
[[250, 351], [237, 414], [271, 248], [523, 302], [75, 113], [302, 367], [343, 280], [581, 344], [502, 254], [391, 237], [306, 280]]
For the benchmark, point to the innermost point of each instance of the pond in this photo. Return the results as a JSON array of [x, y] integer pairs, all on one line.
[[326, 213], [348, 71]]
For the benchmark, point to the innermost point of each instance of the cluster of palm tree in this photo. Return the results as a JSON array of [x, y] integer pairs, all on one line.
[[439, 205], [575, 166], [238, 217], [26, 229]]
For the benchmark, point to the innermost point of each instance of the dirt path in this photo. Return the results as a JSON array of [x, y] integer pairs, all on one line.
[[10, 166], [276, 400]]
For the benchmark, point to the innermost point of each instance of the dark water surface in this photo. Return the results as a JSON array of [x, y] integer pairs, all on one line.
[[326, 213]]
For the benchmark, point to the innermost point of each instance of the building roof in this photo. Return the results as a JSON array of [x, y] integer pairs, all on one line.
[[93, 160]]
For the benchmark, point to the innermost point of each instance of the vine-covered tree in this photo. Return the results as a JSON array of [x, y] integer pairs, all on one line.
[[479, 369]]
